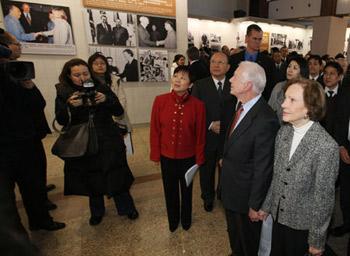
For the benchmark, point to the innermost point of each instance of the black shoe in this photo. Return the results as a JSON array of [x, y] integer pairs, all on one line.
[[340, 231], [51, 226], [173, 227], [50, 205], [95, 220], [133, 215], [186, 226], [208, 206], [50, 187]]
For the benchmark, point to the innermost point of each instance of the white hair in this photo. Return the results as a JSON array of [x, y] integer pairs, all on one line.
[[254, 73]]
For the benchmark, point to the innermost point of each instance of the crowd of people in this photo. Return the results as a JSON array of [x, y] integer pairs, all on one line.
[[275, 126]]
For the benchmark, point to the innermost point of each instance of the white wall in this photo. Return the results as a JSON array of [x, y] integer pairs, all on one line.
[[140, 96], [343, 7], [230, 32]]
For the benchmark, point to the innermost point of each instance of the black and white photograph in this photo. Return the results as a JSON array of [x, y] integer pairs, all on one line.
[[156, 32], [41, 28], [295, 45], [215, 42], [110, 28], [154, 65], [190, 39], [278, 40], [122, 62], [204, 42]]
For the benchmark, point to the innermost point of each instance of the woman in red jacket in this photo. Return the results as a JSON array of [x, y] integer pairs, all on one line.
[[177, 142]]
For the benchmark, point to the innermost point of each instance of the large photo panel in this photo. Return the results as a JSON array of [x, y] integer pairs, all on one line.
[[41, 28], [122, 61], [156, 32], [110, 28]]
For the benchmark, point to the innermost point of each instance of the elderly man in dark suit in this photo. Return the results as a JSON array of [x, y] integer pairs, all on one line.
[[213, 91], [247, 159], [120, 34], [144, 36], [104, 31], [253, 40]]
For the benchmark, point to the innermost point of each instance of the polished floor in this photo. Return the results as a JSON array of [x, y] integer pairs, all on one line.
[[149, 234]]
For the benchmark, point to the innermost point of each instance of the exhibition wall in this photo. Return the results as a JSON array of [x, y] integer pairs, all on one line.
[[140, 95]]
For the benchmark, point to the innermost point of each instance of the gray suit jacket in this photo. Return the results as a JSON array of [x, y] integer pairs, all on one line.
[[302, 188]]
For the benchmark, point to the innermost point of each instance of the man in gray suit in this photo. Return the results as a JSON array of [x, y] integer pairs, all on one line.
[[213, 91], [144, 36], [247, 159]]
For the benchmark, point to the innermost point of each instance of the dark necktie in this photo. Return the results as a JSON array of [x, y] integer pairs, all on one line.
[[330, 94], [236, 117], [220, 89]]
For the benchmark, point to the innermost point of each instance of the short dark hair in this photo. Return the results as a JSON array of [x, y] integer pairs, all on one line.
[[130, 52], [274, 49], [315, 57], [314, 97], [193, 53], [252, 27], [177, 57], [335, 65], [66, 70], [339, 56], [184, 69], [304, 68]]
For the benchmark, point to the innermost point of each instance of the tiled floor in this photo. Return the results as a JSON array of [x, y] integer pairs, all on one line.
[[148, 235]]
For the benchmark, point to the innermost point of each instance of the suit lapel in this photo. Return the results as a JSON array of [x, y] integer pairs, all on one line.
[[244, 124]]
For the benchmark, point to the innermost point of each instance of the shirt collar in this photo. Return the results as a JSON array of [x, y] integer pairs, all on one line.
[[216, 82], [335, 90], [249, 104], [314, 78], [250, 56]]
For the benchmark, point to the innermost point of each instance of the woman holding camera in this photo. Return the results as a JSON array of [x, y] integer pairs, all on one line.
[[103, 173]]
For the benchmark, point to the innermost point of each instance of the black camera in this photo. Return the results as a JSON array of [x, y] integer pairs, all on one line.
[[18, 70], [89, 92]]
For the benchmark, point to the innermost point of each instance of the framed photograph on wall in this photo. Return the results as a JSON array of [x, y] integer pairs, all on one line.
[[110, 28], [278, 40], [154, 65], [156, 32], [41, 28], [122, 62]]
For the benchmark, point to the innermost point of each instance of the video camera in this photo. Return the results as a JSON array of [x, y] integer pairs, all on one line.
[[17, 70]]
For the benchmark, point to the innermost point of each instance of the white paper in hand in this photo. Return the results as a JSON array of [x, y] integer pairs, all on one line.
[[190, 174]]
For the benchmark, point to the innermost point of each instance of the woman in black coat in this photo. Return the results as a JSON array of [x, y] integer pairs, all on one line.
[[103, 173]]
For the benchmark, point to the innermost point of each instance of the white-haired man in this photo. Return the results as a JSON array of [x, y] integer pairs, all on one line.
[[247, 158], [144, 36]]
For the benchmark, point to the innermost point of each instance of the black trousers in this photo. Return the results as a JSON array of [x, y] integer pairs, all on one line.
[[288, 242], [123, 202], [42, 162], [173, 175], [20, 164], [344, 184], [244, 234], [207, 176]]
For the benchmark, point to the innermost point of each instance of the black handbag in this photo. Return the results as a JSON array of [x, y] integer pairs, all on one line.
[[76, 140]]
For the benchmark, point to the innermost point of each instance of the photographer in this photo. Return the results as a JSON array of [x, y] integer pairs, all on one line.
[[19, 163], [106, 171]]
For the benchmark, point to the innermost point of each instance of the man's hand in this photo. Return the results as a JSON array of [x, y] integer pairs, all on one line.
[[253, 215], [262, 215], [215, 127], [314, 251], [344, 155], [28, 84]]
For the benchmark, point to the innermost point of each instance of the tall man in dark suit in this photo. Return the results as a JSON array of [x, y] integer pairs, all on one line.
[[120, 34], [253, 40], [280, 74], [104, 32], [213, 91], [247, 159], [29, 23], [198, 69]]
